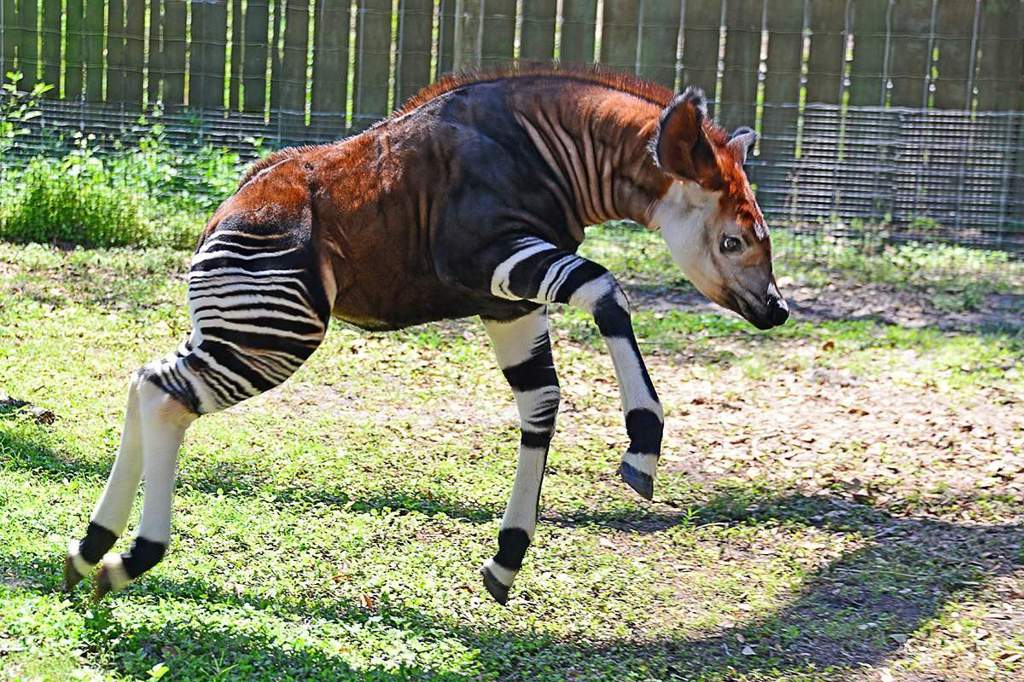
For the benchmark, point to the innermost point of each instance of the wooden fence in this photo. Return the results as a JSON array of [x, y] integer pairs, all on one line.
[[822, 80]]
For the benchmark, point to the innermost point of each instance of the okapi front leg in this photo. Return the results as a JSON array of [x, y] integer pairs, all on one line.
[[524, 354], [538, 271]]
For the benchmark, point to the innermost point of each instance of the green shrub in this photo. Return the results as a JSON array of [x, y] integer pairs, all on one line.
[[150, 195], [71, 201], [17, 108]]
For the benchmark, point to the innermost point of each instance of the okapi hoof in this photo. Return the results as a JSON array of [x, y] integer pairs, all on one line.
[[642, 483], [71, 575], [101, 586], [110, 578], [494, 586]]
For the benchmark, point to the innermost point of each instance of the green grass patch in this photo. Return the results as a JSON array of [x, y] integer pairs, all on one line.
[[332, 529]]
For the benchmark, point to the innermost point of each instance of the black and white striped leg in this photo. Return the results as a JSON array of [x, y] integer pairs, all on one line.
[[111, 514], [538, 271], [523, 350]]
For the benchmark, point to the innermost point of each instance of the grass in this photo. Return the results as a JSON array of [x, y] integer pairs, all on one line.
[[837, 500]]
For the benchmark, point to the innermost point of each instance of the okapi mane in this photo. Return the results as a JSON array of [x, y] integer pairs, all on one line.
[[590, 73]]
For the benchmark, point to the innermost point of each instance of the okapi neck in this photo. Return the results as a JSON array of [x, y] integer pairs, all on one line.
[[614, 175]]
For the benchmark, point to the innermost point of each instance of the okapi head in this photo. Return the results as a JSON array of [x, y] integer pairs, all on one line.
[[708, 214]]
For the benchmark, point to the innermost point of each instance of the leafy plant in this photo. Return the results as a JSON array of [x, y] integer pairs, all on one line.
[[153, 193], [72, 201], [17, 108]]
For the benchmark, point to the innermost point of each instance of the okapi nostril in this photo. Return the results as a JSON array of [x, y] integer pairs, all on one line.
[[778, 310]]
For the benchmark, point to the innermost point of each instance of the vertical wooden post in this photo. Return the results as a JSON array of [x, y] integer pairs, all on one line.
[[868, 71], [742, 60], [11, 35], [538, 38], [208, 48], [498, 32], [911, 25], [172, 61], [579, 26], [445, 37], [701, 28], [1000, 45], [825, 60], [158, 47], [468, 37], [235, 67], [94, 39], [292, 101], [619, 35], [659, 37], [74, 73], [330, 67], [28, 52], [781, 104], [373, 62], [135, 20], [115, 52], [412, 66], [1000, 61], [52, 53], [953, 32], [254, 61]]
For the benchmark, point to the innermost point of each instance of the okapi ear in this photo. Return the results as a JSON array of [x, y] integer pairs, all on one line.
[[681, 147], [741, 142]]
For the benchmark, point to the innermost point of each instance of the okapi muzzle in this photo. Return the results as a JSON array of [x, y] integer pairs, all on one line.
[[471, 200]]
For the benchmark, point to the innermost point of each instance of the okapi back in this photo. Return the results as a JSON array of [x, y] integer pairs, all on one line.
[[402, 212]]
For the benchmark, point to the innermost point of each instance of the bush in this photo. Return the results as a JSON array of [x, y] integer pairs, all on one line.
[[150, 195], [58, 201]]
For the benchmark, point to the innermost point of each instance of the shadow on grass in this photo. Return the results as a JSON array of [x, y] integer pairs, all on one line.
[[844, 616], [31, 448]]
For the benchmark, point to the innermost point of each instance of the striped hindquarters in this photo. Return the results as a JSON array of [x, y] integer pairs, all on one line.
[[258, 311]]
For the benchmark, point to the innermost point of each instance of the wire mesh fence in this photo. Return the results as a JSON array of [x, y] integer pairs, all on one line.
[[880, 121]]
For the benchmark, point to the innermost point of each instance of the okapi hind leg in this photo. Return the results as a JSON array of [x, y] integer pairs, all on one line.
[[110, 517], [164, 421], [258, 310], [523, 349]]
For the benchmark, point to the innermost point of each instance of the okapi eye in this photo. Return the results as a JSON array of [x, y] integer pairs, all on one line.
[[730, 244]]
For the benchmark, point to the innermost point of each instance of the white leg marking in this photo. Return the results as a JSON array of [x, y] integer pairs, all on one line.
[[499, 280], [504, 575], [115, 503], [648, 464], [514, 343], [163, 427], [521, 511], [587, 296], [630, 373], [115, 571], [81, 565]]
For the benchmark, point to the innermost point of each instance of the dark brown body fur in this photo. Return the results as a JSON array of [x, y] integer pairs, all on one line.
[[395, 211]]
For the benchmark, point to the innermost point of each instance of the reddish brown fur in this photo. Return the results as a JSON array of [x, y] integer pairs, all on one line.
[[377, 198]]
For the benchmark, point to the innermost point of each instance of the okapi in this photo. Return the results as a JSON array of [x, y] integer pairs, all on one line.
[[471, 199]]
